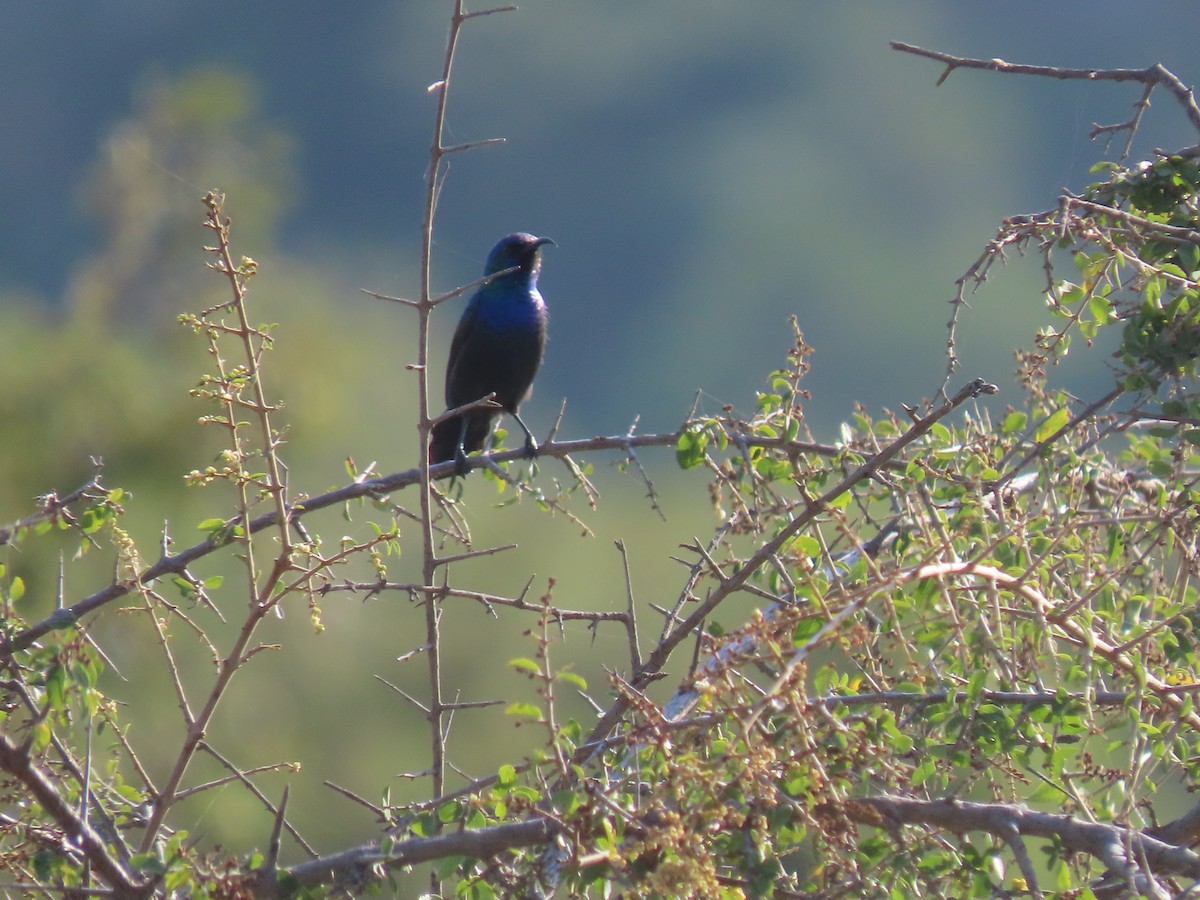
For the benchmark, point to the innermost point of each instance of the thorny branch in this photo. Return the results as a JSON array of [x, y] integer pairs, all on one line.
[[1151, 77], [437, 708], [14, 759], [1047, 227], [172, 564], [261, 594], [1109, 843], [730, 584], [1130, 854], [53, 507]]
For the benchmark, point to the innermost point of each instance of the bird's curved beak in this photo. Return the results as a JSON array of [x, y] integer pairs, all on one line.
[[541, 242]]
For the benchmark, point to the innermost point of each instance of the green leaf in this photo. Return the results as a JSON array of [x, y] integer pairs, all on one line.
[[447, 866], [1062, 877], [689, 450], [572, 678], [1052, 424], [83, 674], [148, 863], [1100, 308], [41, 734], [841, 501], [524, 664], [977, 683], [805, 545], [524, 711], [572, 731], [56, 681], [566, 802], [93, 518], [806, 629], [1046, 793], [1014, 422], [898, 741]]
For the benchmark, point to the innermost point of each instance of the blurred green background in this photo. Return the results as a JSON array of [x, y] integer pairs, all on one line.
[[707, 169]]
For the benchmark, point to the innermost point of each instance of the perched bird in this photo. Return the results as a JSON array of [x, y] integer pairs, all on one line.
[[496, 348]]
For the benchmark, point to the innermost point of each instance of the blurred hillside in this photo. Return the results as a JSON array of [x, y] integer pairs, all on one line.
[[706, 169]]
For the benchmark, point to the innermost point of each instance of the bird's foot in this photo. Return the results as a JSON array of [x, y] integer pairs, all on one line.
[[461, 466], [531, 447]]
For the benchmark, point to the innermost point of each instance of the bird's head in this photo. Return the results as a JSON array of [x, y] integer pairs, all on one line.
[[520, 250]]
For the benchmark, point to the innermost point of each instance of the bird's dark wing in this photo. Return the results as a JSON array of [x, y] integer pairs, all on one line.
[[462, 337], [445, 436]]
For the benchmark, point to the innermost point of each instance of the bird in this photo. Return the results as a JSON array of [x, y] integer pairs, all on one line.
[[496, 349]]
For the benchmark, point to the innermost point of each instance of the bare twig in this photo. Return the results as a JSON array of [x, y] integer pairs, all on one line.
[[1019, 229], [424, 307], [52, 507], [635, 653], [1151, 76]]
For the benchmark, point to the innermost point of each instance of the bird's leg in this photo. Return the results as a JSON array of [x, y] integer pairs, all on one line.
[[461, 466], [531, 447]]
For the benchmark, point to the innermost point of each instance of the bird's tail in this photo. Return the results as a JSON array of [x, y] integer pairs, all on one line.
[[443, 439]]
